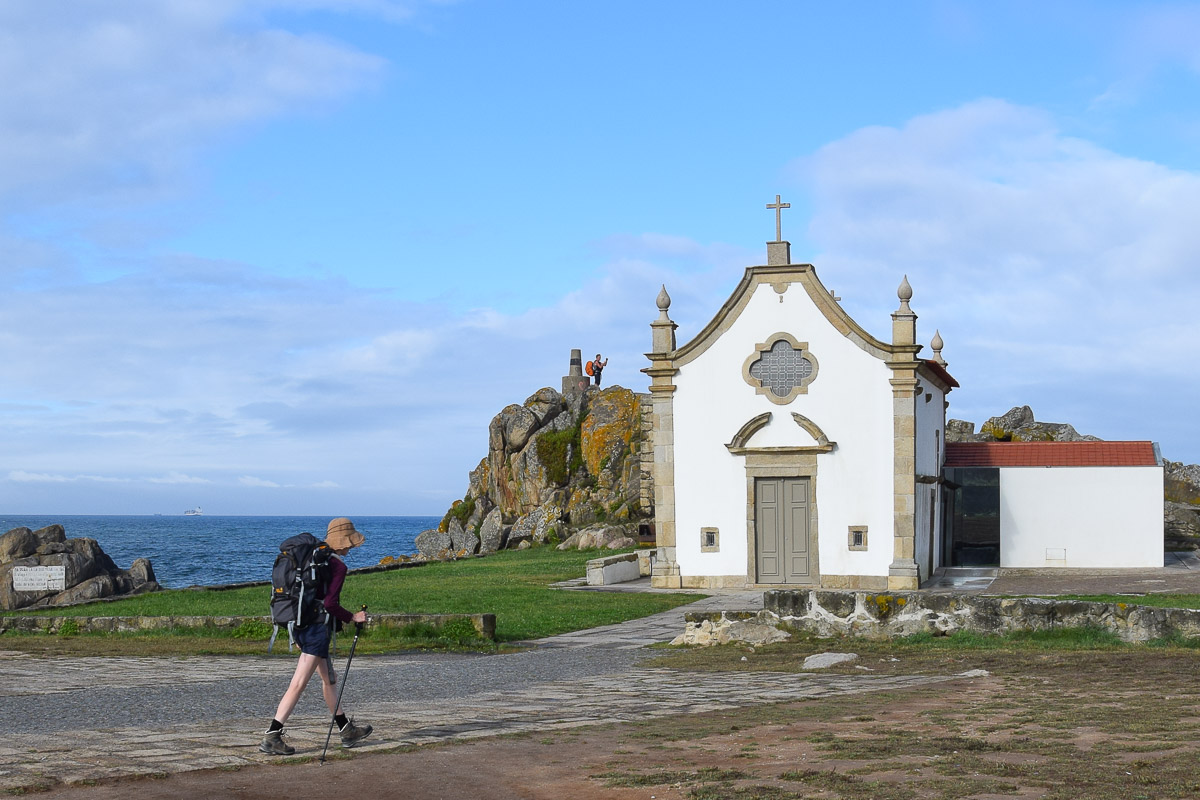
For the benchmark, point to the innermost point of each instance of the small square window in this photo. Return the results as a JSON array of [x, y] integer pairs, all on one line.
[[710, 540], [858, 537]]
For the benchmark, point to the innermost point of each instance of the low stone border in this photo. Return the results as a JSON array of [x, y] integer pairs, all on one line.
[[613, 569], [881, 616], [389, 567], [485, 624]]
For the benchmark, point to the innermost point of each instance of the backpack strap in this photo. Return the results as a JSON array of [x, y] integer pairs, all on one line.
[[291, 637]]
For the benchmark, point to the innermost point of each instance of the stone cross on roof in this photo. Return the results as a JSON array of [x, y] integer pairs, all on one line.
[[778, 206]]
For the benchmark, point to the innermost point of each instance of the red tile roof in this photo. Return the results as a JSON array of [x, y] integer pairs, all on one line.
[[940, 371], [1050, 454]]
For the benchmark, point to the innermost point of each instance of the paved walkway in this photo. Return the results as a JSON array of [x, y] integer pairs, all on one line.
[[76, 720], [1180, 574], [79, 720]]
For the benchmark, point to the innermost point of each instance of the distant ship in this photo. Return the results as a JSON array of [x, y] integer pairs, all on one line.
[[193, 512]]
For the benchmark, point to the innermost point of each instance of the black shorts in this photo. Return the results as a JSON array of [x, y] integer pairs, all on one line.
[[313, 640]]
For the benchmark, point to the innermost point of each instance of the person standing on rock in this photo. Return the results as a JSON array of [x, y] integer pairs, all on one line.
[[313, 640], [598, 367]]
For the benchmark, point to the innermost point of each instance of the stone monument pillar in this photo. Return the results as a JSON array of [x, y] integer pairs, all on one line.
[[903, 573], [575, 380], [661, 371]]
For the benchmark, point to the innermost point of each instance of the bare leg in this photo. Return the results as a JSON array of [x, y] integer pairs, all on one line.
[[327, 688], [300, 678]]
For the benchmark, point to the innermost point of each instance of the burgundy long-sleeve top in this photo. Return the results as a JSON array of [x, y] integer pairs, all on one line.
[[337, 576]]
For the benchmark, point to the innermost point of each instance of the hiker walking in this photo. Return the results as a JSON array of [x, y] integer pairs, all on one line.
[[598, 367], [313, 640]]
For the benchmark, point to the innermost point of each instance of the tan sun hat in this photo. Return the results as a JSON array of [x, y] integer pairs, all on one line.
[[341, 533]]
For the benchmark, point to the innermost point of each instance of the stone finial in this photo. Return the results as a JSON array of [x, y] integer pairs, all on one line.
[[663, 328], [664, 302], [905, 294], [936, 345], [904, 321]]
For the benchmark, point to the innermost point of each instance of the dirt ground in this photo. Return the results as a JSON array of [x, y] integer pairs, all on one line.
[[1099, 724]]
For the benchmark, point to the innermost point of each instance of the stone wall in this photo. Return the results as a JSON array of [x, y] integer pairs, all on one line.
[[880, 615], [646, 454], [485, 624]]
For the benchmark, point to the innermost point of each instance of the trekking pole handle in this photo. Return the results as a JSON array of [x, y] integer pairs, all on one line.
[[358, 626]]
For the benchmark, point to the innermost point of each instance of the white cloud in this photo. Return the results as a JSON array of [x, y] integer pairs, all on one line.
[[178, 478], [1058, 272], [110, 101], [257, 483], [197, 371], [21, 476], [397, 350], [217, 372]]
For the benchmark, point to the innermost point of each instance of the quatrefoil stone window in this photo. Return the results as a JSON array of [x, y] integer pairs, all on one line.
[[780, 368]]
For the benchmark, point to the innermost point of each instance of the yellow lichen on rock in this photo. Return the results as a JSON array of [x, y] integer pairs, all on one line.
[[609, 427]]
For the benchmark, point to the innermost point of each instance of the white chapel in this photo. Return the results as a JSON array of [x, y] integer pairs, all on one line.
[[793, 448]]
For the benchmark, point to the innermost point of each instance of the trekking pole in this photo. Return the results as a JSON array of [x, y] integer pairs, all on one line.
[[358, 626]]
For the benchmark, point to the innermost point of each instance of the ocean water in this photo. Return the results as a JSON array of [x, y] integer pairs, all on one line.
[[208, 551]]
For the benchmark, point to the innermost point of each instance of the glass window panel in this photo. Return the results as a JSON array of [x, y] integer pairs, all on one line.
[[781, 369]]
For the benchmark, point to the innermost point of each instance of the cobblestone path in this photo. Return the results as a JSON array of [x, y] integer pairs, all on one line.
[[79, 720]]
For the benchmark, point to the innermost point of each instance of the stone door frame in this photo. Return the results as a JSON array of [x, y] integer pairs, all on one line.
[[781, 465]]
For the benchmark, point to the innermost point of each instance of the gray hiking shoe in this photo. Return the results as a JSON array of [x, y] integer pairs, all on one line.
[[353, 734], [273, 745]]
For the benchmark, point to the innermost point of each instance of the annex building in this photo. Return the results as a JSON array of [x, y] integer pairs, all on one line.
[[793, 448]]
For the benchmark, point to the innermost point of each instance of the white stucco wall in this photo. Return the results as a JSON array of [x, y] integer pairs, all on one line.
[[1081, 517], [850, 400], [931, 423]]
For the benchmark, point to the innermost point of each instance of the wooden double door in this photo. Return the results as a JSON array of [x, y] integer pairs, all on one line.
[[785, 550]]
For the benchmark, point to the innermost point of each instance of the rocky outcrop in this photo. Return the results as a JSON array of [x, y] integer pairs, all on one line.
[[1181, 526], [555, 464], [1181, 511], [601, 535], [433, 544], [1018, 425], [86, 572], [1181, 482], [492, 532]]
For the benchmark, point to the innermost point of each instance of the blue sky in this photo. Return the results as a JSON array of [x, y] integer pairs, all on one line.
[[291, 256]]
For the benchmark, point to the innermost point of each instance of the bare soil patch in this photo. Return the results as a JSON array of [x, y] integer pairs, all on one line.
[[1103, 724]]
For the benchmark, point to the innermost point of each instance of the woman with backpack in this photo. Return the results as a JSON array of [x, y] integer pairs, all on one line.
[[313, 640]]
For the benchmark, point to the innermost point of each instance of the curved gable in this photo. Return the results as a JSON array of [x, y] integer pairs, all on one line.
[[781, 278]]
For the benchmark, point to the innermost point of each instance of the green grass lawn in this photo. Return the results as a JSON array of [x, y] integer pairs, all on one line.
[[513, 585], [1159, 600]]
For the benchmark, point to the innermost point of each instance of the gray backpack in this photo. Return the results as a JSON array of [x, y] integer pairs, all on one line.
[[298, 582]]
